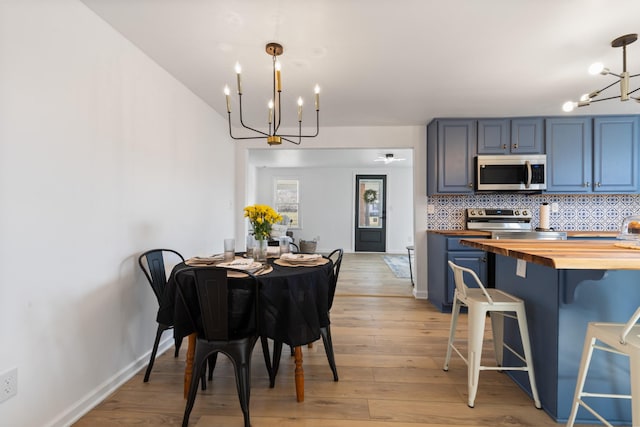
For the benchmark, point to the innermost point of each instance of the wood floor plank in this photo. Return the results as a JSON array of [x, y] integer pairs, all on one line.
[[389, 350]]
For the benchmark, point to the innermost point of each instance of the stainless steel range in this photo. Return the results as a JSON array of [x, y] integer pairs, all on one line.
[[508, 224]]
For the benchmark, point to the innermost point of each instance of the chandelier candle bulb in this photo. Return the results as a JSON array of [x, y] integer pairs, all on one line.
[[226, 94], [317, 91], [238, 71], [278, 80], [270, 111], [300, 109]]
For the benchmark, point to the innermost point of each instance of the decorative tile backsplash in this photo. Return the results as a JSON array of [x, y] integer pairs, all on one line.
[[603, 212]]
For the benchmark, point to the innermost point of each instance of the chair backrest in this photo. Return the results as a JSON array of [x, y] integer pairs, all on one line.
[[461, 286], [336, 258], [152, 263], [630, 324], [219, 308]]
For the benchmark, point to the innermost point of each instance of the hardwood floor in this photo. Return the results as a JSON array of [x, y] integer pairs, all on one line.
[[389, 351]]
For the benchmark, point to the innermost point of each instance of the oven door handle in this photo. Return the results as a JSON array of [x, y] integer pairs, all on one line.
[[527, 174]]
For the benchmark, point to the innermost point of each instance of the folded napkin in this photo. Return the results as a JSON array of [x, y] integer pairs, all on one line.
[[300, 257], [213, 259], [246, 264]]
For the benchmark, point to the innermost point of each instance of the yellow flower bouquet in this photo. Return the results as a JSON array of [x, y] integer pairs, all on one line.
[[261, 217]]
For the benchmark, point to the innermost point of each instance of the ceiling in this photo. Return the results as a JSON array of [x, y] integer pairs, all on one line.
[[387, 63]]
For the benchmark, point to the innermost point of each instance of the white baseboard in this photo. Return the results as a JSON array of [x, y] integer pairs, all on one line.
[[97, 395]]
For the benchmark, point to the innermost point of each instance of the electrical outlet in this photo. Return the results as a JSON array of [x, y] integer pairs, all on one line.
[[431, 209], [8, 384], [554, 207]]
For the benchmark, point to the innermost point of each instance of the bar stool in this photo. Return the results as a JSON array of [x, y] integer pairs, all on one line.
[[617, 338], [409, 250], [480, 301]]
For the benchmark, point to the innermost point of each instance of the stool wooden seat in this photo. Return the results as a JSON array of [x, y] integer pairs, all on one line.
[[618, 338], [480, 301]]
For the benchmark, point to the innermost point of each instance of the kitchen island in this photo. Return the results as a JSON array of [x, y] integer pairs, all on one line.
[[565, 285]]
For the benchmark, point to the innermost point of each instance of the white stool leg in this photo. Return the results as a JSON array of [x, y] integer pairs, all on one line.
[[455, 311], [497, 328], [526, 347], [476, 319], [634, 373], [585, 361]]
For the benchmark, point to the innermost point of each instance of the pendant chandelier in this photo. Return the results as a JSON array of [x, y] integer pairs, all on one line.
[[623, 79], [274, 106]]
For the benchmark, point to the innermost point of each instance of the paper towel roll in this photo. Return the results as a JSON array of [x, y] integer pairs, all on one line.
[[545, 209]]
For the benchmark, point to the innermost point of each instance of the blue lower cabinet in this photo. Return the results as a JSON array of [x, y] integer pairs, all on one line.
[[442, 248]]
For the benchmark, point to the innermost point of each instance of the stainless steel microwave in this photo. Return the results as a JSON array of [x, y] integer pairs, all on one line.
[[525, 172]]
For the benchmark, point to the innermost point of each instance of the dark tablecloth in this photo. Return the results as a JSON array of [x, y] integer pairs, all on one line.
[[293, 304]]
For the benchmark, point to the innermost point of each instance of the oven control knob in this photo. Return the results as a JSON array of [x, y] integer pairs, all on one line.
[[472, 212], [524, 213], [516, 213]]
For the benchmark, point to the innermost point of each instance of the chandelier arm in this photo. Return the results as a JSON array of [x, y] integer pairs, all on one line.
[[605, 99], [608, 86], [634, 91], [300, 127], [293, 142], [242, 122]]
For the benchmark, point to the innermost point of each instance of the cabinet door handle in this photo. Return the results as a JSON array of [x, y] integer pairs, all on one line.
[[597, 184], [471, 185], [484, 259], [514, 146], [586, 184], [504, 146]]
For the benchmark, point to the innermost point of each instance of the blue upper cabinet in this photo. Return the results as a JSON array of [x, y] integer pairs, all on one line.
[[494, 136], [451, 148], [615, 154], [569, 154], [527, 136], [592, 155], [515, 136]]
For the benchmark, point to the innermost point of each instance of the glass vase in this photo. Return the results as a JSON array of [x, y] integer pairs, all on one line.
[[260, 251]]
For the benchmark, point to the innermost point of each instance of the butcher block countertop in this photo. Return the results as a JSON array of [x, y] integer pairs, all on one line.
[[564, 254]]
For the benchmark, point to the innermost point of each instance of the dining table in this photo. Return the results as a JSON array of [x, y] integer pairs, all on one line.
[[293, 306]]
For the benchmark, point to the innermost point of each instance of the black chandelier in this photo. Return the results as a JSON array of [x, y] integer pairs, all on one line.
[[275, 114], [623, 79]]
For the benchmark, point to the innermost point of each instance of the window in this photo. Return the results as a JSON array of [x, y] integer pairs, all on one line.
[[287, 199]]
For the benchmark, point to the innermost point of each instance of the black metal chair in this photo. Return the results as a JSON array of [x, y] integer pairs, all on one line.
[[224, 313], [152, 263], [325, 331]]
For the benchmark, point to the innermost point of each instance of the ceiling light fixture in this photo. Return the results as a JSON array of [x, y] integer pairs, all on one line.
[[623, 79], [388, 158], [273, 138]]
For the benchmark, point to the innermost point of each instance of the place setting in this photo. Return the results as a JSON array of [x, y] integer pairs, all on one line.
[[300, 260]]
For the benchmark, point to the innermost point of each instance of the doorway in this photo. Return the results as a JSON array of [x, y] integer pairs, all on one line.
[[370, 221]]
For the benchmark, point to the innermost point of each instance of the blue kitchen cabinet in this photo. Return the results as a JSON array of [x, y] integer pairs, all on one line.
[[494, 136], [615, 154], [592, 154], [569, 154], [515, 136], [441, 249], [451, 148], [527, 136]]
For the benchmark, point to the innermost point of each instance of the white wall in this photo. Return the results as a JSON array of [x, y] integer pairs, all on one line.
[[102, 156], [328, 204]]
